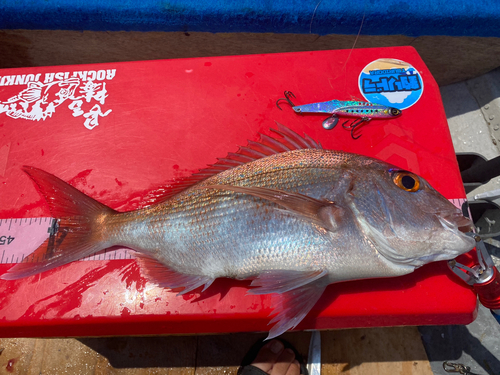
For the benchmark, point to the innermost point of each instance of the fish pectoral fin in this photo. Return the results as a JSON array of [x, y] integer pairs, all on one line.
[[323, 213], [168, 278]]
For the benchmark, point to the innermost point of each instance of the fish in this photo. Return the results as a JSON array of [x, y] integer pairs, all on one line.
[[282, 211]]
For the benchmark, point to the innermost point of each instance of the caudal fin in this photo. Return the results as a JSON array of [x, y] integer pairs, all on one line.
[[76, 234]]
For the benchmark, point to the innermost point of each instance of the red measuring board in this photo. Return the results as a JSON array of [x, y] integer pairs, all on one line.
[[120, 131]]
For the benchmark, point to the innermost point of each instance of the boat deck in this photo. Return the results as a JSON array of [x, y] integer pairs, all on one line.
[[347, 352]]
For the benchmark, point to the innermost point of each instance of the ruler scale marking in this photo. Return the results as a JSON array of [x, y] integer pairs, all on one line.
[[31, 233]]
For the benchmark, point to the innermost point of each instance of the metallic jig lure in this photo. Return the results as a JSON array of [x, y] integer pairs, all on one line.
[[362, 111]]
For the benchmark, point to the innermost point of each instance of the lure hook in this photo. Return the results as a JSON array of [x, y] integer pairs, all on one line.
[[288, 95], [457, 367], [355, 124]]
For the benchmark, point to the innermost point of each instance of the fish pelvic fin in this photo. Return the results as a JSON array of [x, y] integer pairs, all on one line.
[[167, 278], [298, 293], [323, 213], [76, 233]]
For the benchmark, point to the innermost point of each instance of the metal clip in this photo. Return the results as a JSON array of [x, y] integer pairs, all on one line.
[[458, 368], [480, 273]]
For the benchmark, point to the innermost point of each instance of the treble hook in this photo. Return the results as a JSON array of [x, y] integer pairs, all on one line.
[[288, 95], [355, 124], [457, 367]]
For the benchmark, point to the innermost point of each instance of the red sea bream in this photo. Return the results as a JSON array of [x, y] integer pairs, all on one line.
[[283, 211]]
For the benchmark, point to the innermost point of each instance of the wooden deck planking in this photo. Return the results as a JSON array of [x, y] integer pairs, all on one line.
[[395, 351], [348, 352]]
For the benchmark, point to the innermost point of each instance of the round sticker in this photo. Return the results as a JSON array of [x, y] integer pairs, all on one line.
[[391, 82]]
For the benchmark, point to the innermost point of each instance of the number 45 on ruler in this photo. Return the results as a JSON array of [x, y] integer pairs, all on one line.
[[4, 240]]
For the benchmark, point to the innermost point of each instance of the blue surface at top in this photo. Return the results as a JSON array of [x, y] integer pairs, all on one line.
[[379, 17]]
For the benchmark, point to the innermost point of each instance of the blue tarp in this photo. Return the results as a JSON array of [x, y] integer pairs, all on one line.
[[379, 17]]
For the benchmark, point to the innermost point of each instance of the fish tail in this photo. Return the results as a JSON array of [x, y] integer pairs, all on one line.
[[77, 232]]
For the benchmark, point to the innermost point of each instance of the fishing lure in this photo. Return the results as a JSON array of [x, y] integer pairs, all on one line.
[[457, 368], [362, 111]]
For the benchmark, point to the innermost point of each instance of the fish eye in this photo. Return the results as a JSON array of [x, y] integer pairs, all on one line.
[[395, 112], [406, 181]]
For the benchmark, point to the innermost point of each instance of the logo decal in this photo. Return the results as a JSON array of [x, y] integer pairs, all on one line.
[[391, 82], [39, 100]]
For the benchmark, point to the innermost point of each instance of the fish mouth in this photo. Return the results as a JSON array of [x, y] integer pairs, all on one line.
[[456, 221], [459, 225], [467, 228]]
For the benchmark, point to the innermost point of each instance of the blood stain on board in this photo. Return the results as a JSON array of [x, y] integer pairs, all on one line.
[[10, 364], [80, 178], [126, 312]]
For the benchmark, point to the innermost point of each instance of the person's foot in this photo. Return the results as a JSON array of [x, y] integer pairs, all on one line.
[[274, 359]]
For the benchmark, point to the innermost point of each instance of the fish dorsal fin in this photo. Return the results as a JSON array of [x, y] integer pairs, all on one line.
[[286, 140]]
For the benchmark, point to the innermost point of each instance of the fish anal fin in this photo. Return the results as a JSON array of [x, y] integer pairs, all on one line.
[[325, 214], [168, 278]]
